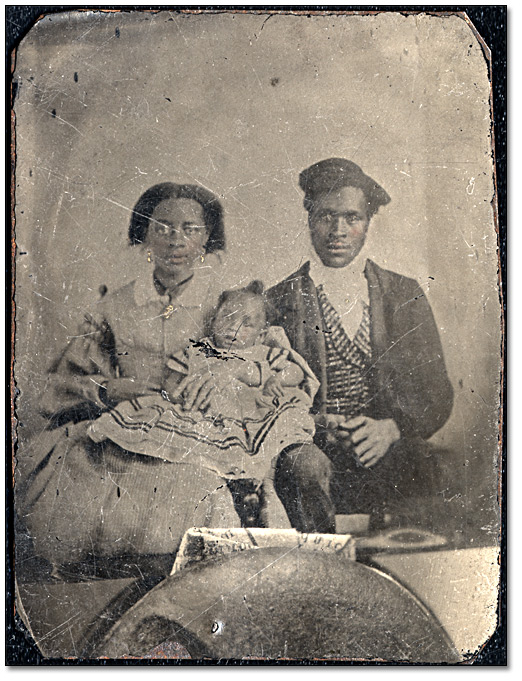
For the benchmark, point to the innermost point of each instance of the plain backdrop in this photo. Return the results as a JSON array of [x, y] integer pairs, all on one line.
[[109, 104]]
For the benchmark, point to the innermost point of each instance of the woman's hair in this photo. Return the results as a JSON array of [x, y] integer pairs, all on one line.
[[149, 200]]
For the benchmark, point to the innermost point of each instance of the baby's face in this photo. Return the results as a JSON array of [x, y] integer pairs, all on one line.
[[239, 321]]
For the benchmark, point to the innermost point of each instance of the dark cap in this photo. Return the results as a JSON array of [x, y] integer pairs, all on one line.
[[333, 174]]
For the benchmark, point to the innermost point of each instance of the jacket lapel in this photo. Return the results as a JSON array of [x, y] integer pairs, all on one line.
[[379, 373], [309, 331], [377, 324]]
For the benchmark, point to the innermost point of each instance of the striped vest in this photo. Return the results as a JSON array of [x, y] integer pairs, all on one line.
[[347, 361]]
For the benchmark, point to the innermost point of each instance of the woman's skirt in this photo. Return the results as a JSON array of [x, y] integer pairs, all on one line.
[[88, 501]]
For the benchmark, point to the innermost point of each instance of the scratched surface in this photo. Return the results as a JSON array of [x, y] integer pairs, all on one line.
[[109, 104]]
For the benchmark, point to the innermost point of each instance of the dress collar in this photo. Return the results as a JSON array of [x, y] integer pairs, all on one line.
[[145, 291], [196, 291]]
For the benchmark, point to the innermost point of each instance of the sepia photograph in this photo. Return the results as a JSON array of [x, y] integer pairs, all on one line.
[[258, 343]]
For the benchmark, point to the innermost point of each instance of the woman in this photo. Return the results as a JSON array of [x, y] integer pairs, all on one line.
[[85, 500]]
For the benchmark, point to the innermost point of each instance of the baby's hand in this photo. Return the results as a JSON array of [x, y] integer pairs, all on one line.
[[273, 387]]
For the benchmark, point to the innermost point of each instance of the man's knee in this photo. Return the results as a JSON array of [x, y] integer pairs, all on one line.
[[306, 464], [302, 482]]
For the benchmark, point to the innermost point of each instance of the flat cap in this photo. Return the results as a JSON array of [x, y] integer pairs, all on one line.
[[334, 173]]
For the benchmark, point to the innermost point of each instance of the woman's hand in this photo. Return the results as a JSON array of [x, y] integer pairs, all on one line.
[[370, 438], [196, 390], [120, 389]]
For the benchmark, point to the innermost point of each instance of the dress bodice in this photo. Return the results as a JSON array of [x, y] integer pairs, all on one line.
[[148, 327]]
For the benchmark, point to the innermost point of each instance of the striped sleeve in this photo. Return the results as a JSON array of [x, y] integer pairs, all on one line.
[[179, 362], [275, 355]]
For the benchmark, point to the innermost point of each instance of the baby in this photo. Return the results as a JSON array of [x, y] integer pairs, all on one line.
[[238, 332], [231, 402]]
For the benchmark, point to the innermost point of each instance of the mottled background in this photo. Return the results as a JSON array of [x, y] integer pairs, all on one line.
[[109, 104]]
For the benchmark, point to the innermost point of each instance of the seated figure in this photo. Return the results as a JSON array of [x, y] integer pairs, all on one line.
[[232, 403], [369, 336]]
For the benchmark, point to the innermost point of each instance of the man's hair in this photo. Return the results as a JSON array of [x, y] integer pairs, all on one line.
[[332, 174], [149, 200]]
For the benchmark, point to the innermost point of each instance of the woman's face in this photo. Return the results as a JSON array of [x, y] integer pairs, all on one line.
[[177, 234]]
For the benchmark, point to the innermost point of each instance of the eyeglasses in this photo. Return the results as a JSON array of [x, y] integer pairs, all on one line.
[[189, 231]]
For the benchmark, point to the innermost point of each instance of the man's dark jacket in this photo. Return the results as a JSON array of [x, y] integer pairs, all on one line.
[[407, 376]]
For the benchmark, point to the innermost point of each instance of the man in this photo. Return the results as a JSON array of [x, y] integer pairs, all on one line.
[[370, 337]]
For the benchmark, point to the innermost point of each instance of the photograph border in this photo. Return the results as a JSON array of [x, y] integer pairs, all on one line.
[[490, 25]]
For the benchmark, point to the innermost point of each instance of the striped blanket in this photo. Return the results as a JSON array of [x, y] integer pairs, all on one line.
[[237, 436]]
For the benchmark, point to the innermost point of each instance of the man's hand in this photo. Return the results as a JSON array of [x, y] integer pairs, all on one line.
[[329, 421], [120, 389], [327, 424], [371, 438]]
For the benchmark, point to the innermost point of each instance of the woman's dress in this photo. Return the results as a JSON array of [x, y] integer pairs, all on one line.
[[86, 501]]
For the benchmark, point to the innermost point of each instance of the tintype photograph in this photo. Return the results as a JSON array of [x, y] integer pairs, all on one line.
[[258, 337]]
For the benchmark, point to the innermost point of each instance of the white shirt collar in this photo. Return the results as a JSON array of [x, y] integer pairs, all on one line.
[[340, 280], [346, 289]]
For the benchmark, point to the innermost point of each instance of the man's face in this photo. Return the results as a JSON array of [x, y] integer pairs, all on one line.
[[338, 225]]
